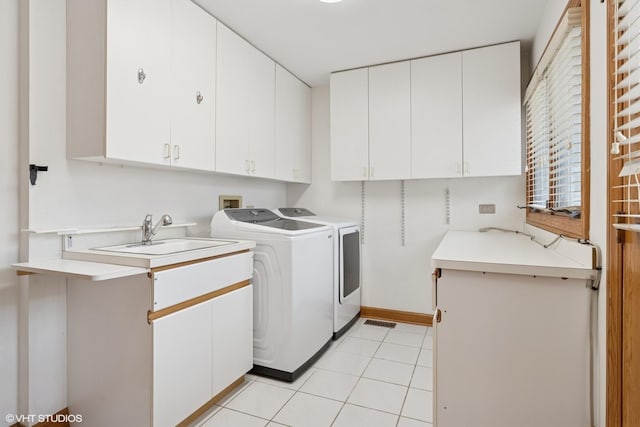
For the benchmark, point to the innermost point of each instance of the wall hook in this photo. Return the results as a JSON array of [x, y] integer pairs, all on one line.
[[33, 172]]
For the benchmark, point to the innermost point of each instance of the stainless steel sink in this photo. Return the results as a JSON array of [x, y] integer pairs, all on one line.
[[166, 247]]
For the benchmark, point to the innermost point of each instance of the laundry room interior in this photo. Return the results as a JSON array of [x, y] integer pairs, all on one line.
[[311, 213]]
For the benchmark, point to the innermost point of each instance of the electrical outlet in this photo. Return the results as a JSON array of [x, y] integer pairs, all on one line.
[[487, 209]]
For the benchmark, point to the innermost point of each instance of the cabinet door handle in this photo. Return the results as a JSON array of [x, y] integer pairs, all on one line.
[[364, 172], [253, 166], [176, 149], [466, 168], [437, 315], [458, 168], [199, 97], [141, 75], [371, 172], [247, 166], [167, 151]]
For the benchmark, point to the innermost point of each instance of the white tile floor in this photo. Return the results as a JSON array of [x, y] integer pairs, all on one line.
[[372, 377]]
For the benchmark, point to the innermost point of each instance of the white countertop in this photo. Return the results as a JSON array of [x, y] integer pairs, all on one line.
[[96, 265], [501, 252], [152, 261]]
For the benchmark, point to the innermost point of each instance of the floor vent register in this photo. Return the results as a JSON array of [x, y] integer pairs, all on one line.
[[380, 323]]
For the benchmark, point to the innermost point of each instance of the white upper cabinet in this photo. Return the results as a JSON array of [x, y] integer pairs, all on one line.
[[492, 110], [436, 116], [141, 82], [349, 98], [137, 79], [390, 121], [118, 79], [245, 107], [293, 128], [193, 67]]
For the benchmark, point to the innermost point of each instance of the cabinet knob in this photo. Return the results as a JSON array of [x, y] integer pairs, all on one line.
[[199, 97], [141, 75], [176, 150]]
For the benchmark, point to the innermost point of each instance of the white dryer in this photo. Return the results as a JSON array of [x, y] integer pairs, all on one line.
[[292, 283], [346, 266]]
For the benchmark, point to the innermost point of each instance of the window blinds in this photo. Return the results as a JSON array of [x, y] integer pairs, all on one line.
[[626, 93], [553, 110]]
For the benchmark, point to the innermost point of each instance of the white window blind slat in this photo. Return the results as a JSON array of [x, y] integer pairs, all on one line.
[[626, 135], [553, 110]]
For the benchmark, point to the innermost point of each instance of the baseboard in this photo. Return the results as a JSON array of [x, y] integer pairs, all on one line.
[[52, 421], [397, 316]]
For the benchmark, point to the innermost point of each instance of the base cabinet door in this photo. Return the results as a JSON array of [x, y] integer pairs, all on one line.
[[181, 363], [232, 337]]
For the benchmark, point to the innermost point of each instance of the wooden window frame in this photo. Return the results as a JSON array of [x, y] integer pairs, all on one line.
[[555, 223]]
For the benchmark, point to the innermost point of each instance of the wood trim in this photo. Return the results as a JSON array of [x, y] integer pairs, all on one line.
[[614, 254], [48, 423], [574, 227], [204, 408], [397, 316], [154, 315], [23, 273], [195, 261]]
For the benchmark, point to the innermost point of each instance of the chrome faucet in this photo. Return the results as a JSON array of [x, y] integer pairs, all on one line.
[[148, 230]]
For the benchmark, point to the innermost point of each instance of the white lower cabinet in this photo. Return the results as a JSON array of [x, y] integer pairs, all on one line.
[[510, 350], [182, 363], [198, 352], [153, 351], [232, 337]]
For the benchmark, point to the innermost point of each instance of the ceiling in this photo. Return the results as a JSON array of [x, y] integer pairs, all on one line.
[[312, 39]]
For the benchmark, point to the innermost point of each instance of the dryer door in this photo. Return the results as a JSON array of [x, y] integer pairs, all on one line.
[[349, 261]]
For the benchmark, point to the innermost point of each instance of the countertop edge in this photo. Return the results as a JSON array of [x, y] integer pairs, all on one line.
[[517, 269], [91, 271]]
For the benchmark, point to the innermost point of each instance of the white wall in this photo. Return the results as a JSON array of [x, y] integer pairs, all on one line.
[[395, 276], [9, 212], [81, 194], [599, 156], [552, 12]]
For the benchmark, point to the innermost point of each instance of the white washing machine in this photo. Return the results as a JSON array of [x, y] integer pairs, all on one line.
[[292, 288], [346, 266]]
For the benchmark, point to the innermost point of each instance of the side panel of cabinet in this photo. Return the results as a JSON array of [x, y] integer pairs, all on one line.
[[436, 116], [138, 80], [302, 161], [232, 133], [193, 65], [232, 337], [292, 123], [181, 363], [390, 121], [349, 99], [492, 110], [260, 108]]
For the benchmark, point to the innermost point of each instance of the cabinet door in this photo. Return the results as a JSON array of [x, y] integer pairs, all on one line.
[[492, 110], [232, 337], [390, 121], [260, 108], [436, 116], [232, 132], [349, 99], [193, 61], [292, 126], [138, 78], [181, 363]]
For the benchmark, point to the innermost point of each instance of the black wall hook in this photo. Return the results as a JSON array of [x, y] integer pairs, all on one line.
[[33, 172]]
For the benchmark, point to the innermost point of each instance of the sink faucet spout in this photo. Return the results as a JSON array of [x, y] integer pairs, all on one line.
[[149, 230]]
